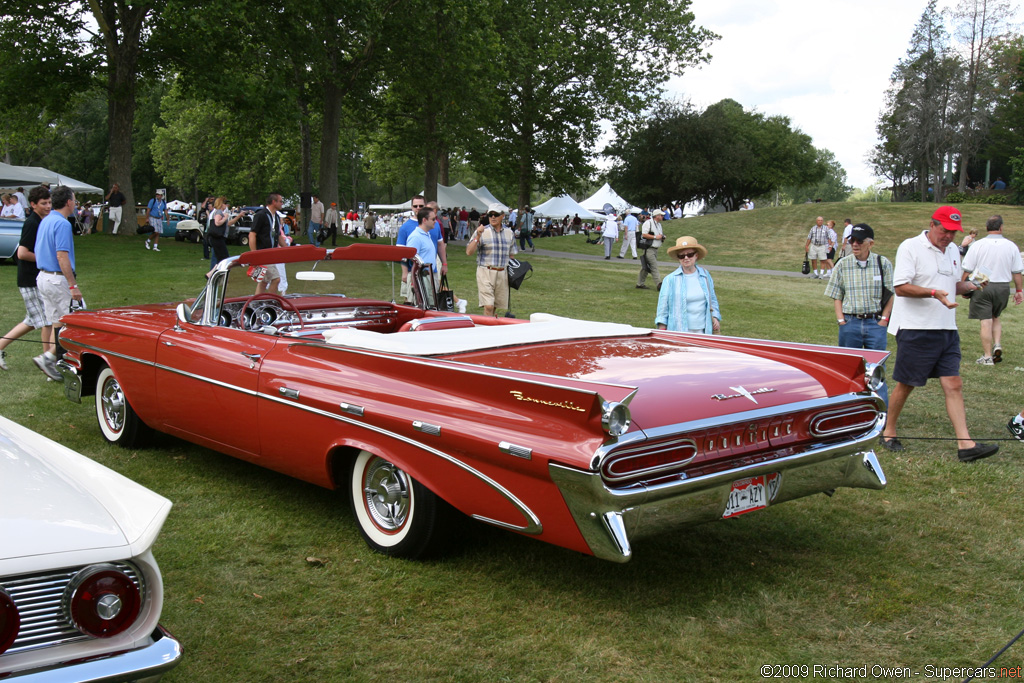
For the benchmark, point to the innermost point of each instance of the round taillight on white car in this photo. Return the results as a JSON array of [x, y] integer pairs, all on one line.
[[10, 621], [102, 601]]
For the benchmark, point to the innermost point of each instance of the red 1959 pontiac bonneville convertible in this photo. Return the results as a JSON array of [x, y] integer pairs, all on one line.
[[588, 435]]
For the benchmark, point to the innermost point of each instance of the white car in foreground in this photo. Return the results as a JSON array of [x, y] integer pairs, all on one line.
[[80, 592]]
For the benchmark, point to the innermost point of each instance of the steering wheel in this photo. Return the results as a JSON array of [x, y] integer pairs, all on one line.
[[284, 303]]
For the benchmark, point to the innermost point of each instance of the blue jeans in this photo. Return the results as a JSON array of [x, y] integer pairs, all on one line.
[[524, 237], [314, 230], [864, 334]]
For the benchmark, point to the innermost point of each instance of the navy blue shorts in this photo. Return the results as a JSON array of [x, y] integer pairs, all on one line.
[[922, 354]]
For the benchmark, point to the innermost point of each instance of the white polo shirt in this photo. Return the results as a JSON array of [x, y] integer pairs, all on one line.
[[919, 262], [996, 256]]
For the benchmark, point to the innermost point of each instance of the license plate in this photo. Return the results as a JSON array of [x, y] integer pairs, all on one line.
[[752, 493]]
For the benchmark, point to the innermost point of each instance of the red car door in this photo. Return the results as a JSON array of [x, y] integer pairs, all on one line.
[[206, 382]]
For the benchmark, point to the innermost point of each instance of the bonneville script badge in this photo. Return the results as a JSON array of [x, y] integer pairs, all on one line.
[[741, 392]]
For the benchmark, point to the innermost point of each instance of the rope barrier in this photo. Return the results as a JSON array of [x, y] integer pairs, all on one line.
[[995, 656]]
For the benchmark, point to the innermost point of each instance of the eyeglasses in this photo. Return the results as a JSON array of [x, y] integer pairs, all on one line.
[[853, 241], [689, 254], [419, 206], [491, 214]]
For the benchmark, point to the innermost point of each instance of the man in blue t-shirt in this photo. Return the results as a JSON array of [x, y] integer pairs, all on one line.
[[55, 258], [418, 202], [157, 215]]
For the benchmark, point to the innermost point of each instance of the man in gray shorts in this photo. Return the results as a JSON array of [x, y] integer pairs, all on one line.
[[998, 259], [35, 314]]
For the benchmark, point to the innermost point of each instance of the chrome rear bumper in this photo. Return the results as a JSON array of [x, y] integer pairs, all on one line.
[[144, 665], [610, 518]]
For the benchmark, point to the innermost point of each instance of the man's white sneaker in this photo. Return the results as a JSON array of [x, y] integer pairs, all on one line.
[[3, 360], [985, 360], [49, 367], [156, 248], [147, 244], [997, 354]]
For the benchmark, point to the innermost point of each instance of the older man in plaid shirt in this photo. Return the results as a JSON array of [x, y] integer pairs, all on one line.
[[493, 245], [856, 289]]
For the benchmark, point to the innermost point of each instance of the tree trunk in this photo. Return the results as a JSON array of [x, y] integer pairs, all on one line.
[[443, 164], [329, 134], [432, 160], [121, 29]]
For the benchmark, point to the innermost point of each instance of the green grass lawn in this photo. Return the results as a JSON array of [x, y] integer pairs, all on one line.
[[926, 572]]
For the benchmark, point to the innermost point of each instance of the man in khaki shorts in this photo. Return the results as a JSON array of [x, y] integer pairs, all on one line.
[[816, 247], [55, 257], [493, 245]]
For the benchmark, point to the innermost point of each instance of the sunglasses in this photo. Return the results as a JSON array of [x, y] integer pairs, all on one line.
[[689, 254], [491, 214], [853, 241]]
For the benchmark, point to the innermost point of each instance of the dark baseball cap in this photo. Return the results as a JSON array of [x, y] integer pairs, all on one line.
[[862, 231]]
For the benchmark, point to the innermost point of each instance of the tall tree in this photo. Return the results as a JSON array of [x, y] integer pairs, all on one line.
[[439, 87], [44, 42], [921, 99], [721, 156], [563, 68], [979, 26]]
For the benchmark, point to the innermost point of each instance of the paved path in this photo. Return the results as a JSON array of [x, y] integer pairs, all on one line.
[[670, 265]]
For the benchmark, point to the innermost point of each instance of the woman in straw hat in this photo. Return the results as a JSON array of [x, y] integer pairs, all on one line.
[[687, 302]]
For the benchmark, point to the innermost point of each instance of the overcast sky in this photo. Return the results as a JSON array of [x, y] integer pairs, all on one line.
[[823, 63]]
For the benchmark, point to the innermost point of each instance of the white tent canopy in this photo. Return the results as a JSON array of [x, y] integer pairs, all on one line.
[[76, 185], [30, 176], [606, 195], [450, 197], [21, 176], [564, 205], [483, 193]]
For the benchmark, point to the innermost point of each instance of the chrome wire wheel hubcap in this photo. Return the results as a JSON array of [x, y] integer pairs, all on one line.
[[386, 494], [113, 405]]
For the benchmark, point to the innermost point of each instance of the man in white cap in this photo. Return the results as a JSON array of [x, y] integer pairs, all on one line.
[[157, 215], [493, 245], [629, 225]]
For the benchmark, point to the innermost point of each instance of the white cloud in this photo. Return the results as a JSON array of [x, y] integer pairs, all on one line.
[[824, 63]]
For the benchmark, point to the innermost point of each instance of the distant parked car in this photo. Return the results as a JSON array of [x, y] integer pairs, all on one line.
[[80, 592], [10, 235]]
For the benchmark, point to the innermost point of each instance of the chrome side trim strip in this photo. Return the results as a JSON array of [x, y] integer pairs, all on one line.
[[532, 526], [426, 428], [518, 451], [351, 409]]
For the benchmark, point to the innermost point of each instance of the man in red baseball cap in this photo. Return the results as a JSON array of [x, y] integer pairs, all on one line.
[[927, 279]]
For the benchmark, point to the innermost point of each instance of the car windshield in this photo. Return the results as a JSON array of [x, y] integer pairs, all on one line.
[[351, 279], [278, 282]]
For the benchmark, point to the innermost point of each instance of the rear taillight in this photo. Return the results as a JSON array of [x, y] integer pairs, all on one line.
[[102, 601], [648, 460], [848, 420], [10, 621]]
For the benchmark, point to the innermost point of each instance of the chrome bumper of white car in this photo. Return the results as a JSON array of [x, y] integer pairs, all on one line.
[[144, 665], [610, 518]]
